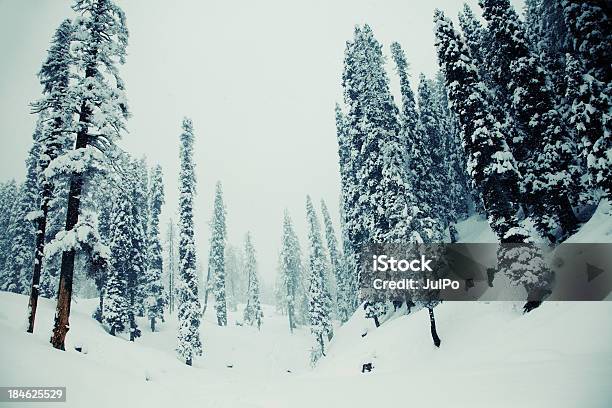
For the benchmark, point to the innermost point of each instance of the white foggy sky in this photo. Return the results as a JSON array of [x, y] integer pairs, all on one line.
[[258, 78]]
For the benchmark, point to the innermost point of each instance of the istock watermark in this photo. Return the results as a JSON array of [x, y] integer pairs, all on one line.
[[512, 272]]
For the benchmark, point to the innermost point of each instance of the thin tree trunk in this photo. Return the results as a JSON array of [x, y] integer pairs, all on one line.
[[432, 322], [38, 256], [153, 324], [568, 220], [64, 296], [101, 305]]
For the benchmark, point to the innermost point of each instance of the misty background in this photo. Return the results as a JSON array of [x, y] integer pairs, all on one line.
[[259, 79]]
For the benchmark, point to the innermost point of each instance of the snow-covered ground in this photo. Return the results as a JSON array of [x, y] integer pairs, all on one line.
[[559, 355]]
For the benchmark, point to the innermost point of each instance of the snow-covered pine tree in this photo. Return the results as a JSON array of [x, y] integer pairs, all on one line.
[[490, 163], [216, 258], [542, 147], [421, 172], [337, 264], [102, 198], [136, 270], [22, 230], [380, 206], [319, 312], [590, 86], [154, 286], [99, 44], [8, 197], [458, 189], [116, 308], [348, 186], [434, 140], [253, 313], [141, 215], [189, 310], [290, 269], [55, 106], [172, 265], [233, 284], [475, 36]]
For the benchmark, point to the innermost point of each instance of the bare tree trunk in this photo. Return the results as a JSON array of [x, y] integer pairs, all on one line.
[[64, 296], [38, 255], [432, 322], [153, 324]]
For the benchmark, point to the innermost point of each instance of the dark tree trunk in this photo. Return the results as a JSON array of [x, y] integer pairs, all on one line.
[[101, 305], [568, 220], [152, 324], [530, 305], [38, 256], [376, 321], [432, 322], [188, 362], [64, 296]]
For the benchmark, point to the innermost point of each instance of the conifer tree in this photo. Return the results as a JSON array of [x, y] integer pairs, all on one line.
[[589, 92], [541, 146], [189, 310], [172, 265], [418, 161], [490, 163], [140, 175], [290, 270], [100, 40], [347, 196], [154, 286], [379, 204], [216, 259], [320, 319], [337, 264], [435, 148], [116, 313], [8, 196], [253, 313], [56, 107], [22, 230], [233, 286]]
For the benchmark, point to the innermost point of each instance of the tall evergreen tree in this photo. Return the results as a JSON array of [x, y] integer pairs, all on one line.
[[216, 259], [347, 197], [490, 162], [419, 161], [253, 313], [116, 308], [8, 196], [290, 269], [337, 264], [379, 204], [435, 141], [189, 311], [541, 146], [320, 319], [590, 86], [154, 285], [100, 41], [140, 176], [22, 230], [54, 76], [138, 256], [172, 265]]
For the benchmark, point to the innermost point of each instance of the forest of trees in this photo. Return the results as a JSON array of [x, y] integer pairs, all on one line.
[[515, 126]]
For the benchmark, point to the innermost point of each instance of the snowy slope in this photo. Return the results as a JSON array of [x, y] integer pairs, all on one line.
[[491, 355], [559, 355]]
